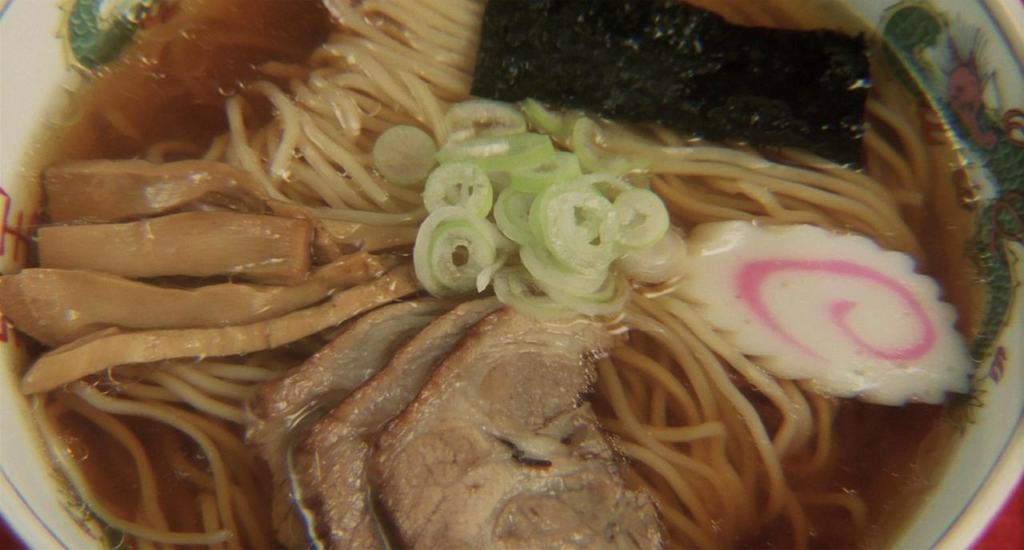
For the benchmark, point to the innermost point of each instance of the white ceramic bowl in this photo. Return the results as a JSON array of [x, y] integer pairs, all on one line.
[[943, 38]]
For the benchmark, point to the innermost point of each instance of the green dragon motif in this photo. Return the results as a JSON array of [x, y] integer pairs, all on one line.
[[96, 31], [910, 29]]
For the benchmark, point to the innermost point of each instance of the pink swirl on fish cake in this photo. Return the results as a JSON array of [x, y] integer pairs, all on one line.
[[753, 274]]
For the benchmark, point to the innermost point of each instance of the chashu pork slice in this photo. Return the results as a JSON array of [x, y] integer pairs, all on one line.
[[498, 450], [283, 408], [331, 461]]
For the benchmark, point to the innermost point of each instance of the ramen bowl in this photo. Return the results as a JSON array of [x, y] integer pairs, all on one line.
[[963, 62]]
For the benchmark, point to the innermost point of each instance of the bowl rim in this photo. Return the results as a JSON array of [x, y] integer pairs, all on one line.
[[27, 523], [983, 507], [22, 520], [1007, 472]]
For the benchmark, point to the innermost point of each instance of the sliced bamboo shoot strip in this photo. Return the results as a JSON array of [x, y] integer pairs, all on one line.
[[264, 249], [107, 349], [57, 306], [116, 190]]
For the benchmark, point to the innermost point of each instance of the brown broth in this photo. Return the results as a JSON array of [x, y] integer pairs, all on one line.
[[106, 463], [172, 83], [888, 456]]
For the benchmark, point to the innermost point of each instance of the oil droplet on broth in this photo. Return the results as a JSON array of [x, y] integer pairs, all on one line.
[[76, 449]]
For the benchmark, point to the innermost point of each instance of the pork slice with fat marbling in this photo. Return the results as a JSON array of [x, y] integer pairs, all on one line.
[[330, 472], [282, 409], [498, 451]]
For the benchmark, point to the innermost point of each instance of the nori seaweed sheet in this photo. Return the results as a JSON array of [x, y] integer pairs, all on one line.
[[681, 66]]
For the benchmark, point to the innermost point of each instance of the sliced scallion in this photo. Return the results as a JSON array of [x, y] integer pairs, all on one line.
[[499, 153], [459, 251], [512, 213], [660, 263], [483, 279], [515, 287], [577, 224], [470, 246], [590, 146], [459, 184], [609, 299], [561, 166], [608, 185], [556, 124], [643, 219], [482, 118], [404, 155], [568, 216], [546, 269], [499, 181]]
